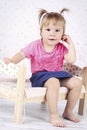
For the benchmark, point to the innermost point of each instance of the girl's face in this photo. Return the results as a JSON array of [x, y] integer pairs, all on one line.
[[52, 33]]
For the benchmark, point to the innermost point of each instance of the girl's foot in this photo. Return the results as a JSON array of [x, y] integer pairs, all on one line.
[[71, 117], [55, 121]]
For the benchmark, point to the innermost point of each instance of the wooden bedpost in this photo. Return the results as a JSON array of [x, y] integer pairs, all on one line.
[[19, 101], [83, 101]]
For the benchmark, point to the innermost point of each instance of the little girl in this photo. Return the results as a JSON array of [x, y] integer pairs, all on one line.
[[47, 56]]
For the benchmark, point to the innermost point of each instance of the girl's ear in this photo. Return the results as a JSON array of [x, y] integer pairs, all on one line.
[[64, 39]]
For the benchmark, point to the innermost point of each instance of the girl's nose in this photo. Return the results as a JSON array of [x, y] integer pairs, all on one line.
[[52, 33]]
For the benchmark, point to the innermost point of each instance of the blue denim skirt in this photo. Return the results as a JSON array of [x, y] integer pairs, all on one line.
[[38, 79]]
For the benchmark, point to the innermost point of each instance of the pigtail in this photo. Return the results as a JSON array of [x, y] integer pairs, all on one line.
[[63, 10], [41, 12]]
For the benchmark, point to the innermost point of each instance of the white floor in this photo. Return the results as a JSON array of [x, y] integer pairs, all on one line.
[[36, 118]]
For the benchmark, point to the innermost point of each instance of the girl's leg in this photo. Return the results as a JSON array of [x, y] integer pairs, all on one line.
[[74, 85], [52, 86]]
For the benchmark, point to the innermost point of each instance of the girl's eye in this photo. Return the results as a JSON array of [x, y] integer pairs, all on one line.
[[48, 29], [57, 30]]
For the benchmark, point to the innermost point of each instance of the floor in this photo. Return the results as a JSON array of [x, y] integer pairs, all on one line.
[[36, 117]]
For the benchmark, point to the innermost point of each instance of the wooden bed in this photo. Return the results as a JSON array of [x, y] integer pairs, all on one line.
[[15, 86]]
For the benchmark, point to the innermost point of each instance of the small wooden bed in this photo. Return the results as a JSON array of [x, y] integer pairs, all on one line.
[[15, 86]]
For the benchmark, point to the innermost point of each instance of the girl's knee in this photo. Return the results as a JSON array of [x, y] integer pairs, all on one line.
[[52, 83], [74, 83], [78, 83]]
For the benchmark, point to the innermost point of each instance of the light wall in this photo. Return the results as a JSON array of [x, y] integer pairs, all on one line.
[[19, 24]]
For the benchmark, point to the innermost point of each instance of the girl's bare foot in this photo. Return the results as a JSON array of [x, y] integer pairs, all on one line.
[[71, 117], [56, 121]]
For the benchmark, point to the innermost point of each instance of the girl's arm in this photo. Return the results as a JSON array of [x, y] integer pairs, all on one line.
[[70, 57], [15, 59]]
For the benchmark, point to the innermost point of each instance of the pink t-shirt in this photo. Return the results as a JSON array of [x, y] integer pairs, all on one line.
[[42, 60]]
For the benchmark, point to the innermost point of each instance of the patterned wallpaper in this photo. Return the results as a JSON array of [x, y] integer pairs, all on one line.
[[19, 24]]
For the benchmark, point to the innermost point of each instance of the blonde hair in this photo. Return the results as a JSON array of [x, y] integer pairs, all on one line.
[[45, 17]]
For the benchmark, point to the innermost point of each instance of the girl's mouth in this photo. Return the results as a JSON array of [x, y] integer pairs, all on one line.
[[51, 39]]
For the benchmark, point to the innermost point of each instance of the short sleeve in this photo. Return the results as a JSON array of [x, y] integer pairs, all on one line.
[[29, 50]]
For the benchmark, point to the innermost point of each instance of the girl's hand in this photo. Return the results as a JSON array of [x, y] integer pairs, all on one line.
[[66, 38], [7, 60]]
